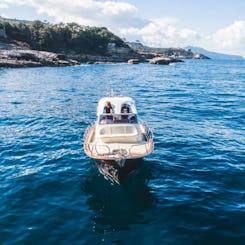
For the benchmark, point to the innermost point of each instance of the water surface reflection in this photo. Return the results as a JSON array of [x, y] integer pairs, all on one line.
[[118, 207]]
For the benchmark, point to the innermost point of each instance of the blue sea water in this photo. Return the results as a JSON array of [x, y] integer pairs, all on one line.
[[191, 190]]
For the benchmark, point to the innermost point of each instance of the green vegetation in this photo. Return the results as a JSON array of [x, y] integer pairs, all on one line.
[[61, 37]]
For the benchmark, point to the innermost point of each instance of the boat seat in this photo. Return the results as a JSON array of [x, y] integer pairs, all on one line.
[[119, 134]]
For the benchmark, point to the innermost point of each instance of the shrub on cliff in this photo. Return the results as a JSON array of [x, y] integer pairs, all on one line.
[[60, 37]]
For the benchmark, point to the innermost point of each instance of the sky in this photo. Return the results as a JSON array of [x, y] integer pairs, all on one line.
[[214, 25]]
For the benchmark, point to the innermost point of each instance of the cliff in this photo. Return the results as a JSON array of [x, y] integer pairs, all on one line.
[[14, 56], [112, 53]]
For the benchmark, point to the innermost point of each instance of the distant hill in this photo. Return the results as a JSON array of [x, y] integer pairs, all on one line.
[[15, 21], [170, 52], [214, 55]]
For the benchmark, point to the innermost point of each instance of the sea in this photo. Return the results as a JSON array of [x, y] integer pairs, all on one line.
[[190, 190]]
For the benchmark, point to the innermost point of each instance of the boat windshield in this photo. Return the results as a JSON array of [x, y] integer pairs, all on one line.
[[118, 118]]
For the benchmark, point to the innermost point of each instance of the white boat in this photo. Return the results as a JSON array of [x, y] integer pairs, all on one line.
[[117, 139]]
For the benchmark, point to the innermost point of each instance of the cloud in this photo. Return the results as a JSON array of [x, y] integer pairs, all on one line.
[[87, 12], [231, 38], [162, 32], [3, 5]]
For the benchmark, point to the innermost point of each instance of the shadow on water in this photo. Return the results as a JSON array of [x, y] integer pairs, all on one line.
[[115, 207]]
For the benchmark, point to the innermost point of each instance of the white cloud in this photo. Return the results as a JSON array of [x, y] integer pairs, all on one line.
[[230, 39], [87, 12], [3, 5], [162, 33]]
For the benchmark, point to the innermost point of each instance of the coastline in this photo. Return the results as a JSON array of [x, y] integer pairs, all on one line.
[[15, 56]]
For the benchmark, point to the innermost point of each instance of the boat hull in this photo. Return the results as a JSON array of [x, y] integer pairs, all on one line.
[[112, 170]]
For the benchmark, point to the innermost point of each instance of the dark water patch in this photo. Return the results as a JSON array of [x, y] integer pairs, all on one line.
[[133, 199], [16, 103]]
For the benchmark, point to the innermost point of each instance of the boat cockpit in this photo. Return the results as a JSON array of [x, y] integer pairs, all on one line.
[[118, 118], [123, 111]]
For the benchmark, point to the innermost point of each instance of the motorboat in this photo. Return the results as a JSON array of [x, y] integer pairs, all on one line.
[[118, 139]]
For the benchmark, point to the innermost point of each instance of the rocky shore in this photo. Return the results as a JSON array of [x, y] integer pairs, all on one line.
[[15, 57]]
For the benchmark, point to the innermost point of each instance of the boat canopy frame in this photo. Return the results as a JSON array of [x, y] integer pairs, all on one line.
[[117, 104], [106, 118]]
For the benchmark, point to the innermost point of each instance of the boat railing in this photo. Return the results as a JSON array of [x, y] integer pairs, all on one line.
[[147, 132], [97, 146], [103, 150], [148, 148], [118, 118], [86, 135]]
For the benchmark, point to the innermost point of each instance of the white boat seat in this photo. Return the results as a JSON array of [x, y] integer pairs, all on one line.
[[119, 134]]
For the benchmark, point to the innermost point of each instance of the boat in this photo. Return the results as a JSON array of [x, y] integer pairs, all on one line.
[[118, 139]]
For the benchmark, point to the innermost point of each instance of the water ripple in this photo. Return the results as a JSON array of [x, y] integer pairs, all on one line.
[[190, 190]]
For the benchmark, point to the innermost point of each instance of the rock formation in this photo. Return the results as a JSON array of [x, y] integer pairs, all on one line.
[[31, 58], [159, 61], [133, 61], [3, 33]]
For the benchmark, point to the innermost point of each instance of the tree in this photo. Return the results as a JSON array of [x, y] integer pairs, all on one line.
[[62, 37]]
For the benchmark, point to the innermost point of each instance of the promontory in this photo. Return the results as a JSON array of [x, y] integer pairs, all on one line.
[[36, 43]]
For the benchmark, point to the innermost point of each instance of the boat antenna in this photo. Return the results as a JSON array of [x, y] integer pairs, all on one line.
[[110, 93]]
